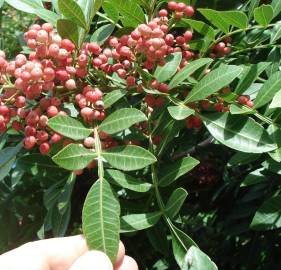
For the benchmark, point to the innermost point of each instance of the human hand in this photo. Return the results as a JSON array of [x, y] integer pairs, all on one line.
[[68, 253]]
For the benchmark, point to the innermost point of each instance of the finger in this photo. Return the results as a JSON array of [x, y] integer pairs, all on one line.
[[128, 264], [92, 260], [120, 255]]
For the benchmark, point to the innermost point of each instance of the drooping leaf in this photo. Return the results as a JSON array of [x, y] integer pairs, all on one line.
[[137, 222], [187, 71], [268, 216], [268, 90], [126, 181], [7, 159], [175, 202], [100, 219], [171, 173], [69, 127], [180, 112], [128, 158], [197, 260], [102, 34], [68, 29], [213, 82], [112, 97], [74, 157], [263, 14], [72, 11], [122, 119], [238, 132], [164, 73]]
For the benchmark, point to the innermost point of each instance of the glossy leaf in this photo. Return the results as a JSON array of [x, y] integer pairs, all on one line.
[[197, 260], [268, 90], [68, 29], [276, 101], [72, 11], [235, 18], [213, 82], [254, 177], [90, 8], [268, 216], [238, 132], [47, 15], [164, 73], [137, 222], [122, 119], [128, 158], [102, 34], [175, 202], [126, 181], [240, 158], [171, 173], [274, 58], [180, 112], [7, 159], [276, 5], [188, 70], [112, 97], [111, 10], [276, 32], [28, 6], [69, 127], [263, 14], [100, 219], [74, 157]]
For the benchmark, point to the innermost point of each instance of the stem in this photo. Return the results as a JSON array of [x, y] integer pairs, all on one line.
[[108, 19], [255, 48], [99, 154]]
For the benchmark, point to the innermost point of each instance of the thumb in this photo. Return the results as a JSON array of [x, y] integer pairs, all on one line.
[[92, 260]]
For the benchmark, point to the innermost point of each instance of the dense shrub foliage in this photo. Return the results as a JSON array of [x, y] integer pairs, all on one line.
[[156, 120]]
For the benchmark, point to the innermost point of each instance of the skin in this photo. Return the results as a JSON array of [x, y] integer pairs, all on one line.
[[68, 253]]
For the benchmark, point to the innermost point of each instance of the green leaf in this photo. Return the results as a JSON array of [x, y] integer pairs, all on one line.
[[268, 90], [72, 11], [213, 82], [276, 5], [68, 29], [276, 32], [164, 73], [197, 260], [171, 173], [111, 10], [188, 70], [274, 58], [7, 159], [263, 14], [129, 157], [276, 101], [90, 8], [100, 219], [69, 127], [268, 216], [198, 26], [126, 181], [47, 15], [29, 6], [215, 18], [55, 6], [175, 202], [249, 76], [235, 18], [2, 3], [240, 158], [253, 178], [122, 119], [102, 34], [238, 132], [181, 242], [180, 112], [137, 222], [74, 157], [60, 221], [240, 109], [132, 13], [112, 97]]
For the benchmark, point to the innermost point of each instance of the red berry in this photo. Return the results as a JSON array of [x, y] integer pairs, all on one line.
[[163, 13], [189, 11], [44, 148], [172, 5], [52, 111]]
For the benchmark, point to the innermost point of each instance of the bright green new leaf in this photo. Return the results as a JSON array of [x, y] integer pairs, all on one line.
[[263, 14], [268, 216], [102, 34], [128, 158], [188, 70], [116, 177], [213, 82], [122, 119], [72, 11], [74, 157], [171, 173], [175, 202], [100, 219], [69, 127], [268, 90], [164, 73], [68, 29], [137, 222], [238, 132], [180, 112], [112, 97]]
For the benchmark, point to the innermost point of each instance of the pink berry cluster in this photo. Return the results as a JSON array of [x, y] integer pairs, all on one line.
[[221, 49]]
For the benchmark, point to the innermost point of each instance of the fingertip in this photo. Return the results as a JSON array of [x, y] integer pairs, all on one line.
[[92, 260], [120, 255], [128, 264]]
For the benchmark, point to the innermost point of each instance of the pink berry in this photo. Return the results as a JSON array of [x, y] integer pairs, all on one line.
[[56, 138], [163, 13], [189, 11], [52, 111], [89, 142], [70, 84], [29, 142], [188, 36], [44, 148], [172, 5]]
